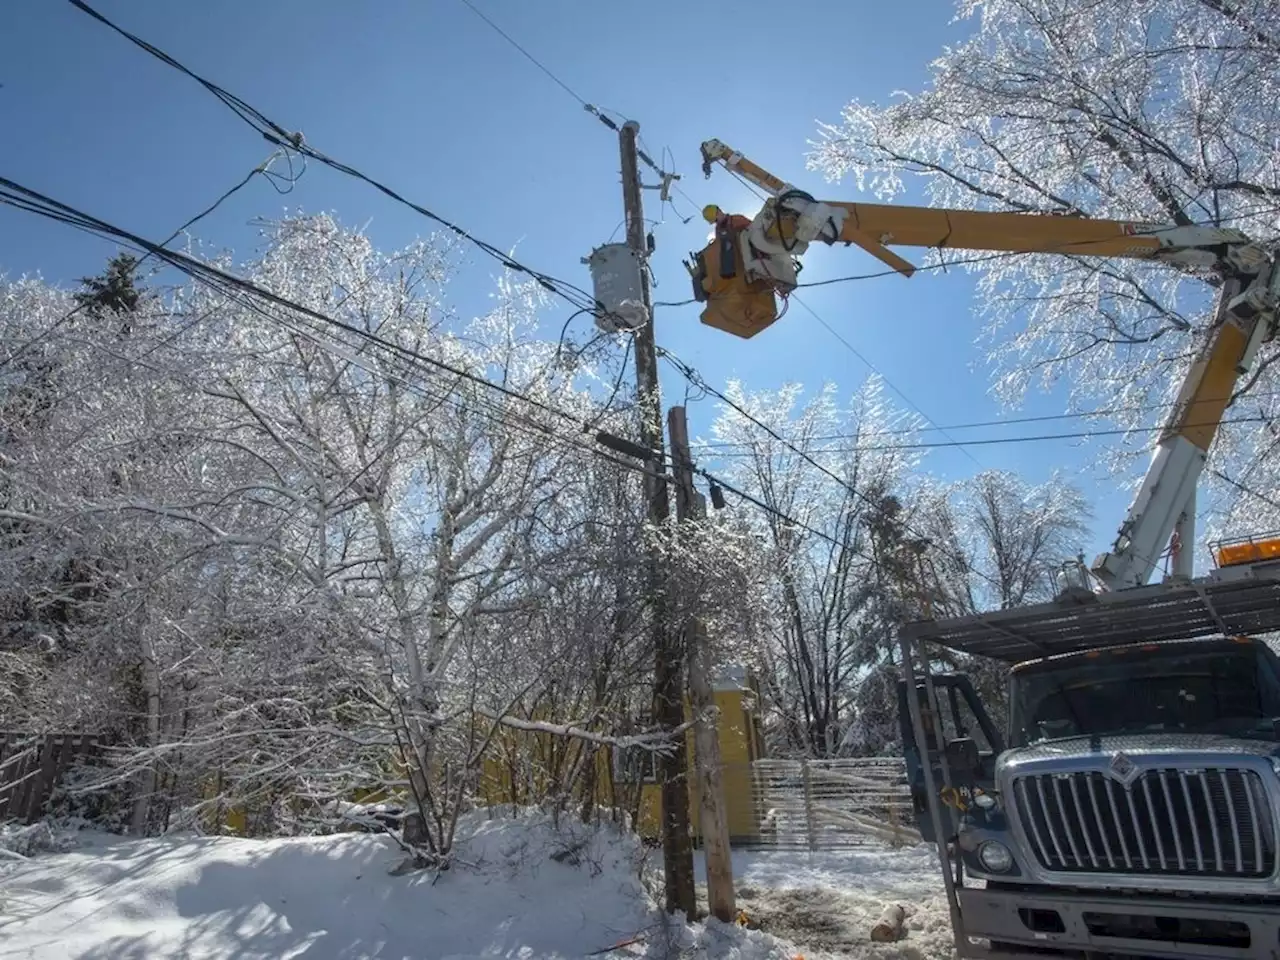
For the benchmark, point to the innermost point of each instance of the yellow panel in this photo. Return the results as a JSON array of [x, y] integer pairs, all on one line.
[[236, 821], [759, 176], [733, 732], [648, 824], [1252, 552]]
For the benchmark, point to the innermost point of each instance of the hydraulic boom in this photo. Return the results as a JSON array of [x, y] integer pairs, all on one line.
[[751, 263]]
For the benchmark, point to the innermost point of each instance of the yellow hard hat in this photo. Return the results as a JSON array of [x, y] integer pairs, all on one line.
[[711, 213]]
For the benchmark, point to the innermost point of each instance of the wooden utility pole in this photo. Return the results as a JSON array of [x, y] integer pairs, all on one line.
[[713, 816], [668, 672]]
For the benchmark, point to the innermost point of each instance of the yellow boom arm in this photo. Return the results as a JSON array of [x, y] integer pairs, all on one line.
[[749, 259], [741, 273]]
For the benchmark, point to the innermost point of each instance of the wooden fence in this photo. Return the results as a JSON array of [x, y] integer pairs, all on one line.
[[827, 804], [30, 765]]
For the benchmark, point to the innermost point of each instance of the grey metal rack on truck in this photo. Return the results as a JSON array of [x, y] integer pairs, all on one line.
[[1130, 806]]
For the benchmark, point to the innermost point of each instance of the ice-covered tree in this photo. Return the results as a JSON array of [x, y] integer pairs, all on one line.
[[1159, 112], [280, 561], [820, 613]]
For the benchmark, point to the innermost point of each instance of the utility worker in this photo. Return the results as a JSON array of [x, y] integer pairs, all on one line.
[[730, 221], [729, 226]]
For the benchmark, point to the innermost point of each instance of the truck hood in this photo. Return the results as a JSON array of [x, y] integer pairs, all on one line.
[[1140, 745]]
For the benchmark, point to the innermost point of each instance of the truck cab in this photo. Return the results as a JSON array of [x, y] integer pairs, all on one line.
[[1128, 805], [1141, 763]]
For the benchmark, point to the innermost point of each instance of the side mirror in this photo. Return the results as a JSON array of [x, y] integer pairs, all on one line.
[[963, 759]]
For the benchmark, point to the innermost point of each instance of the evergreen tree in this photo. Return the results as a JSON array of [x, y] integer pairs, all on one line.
[[113, 291]]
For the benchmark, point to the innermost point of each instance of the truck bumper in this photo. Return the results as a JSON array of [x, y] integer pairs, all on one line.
[[1164, 927]]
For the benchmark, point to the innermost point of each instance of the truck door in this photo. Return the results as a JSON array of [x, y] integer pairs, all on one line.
[[963, 731]]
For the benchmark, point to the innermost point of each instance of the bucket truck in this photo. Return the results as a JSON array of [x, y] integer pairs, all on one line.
[[1130, 807]]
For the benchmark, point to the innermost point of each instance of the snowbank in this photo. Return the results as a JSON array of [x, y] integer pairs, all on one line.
[[22, 842], [325, 897], [520, 889]]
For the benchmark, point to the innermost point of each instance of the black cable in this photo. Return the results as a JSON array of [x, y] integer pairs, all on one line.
[[889, 383], [598, 112], [527, 55], [988, 441], [205, 212], [263, 169], [28, 199], [617, 383], [224, 282], [785, 518], [235, 289], [1245, 489], [1010, 421], [698, 380], [70, 314], [278, 136], [1082, 415]]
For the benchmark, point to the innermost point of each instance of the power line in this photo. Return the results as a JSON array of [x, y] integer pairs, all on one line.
[[889, 383], [694, 377], [280, 137], [784, 517], [262, 168], [988, 441], [35, 202], [1081, 415], [1245, 489], [529, 56], [598, 112], [508, 419], [238, 288]]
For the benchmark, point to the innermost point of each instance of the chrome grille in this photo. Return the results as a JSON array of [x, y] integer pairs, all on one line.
[[1210, 821]]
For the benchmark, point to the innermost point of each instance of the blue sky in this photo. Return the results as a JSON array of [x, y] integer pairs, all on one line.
[[425, 96]]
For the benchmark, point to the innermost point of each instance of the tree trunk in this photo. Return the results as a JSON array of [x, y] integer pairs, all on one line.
[[146, 785]]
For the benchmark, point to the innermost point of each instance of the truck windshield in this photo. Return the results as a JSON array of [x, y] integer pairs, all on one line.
[[1192, 692]]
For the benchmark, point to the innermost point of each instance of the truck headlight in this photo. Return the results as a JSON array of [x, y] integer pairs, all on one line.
[[995, 856]]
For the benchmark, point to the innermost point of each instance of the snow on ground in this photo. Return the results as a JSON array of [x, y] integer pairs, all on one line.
[[521, 889], [827, 901]]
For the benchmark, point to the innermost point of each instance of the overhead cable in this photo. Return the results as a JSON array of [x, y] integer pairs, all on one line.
[[261, 169], [990, 441], [32, 201], [25, 198], [277, 135], [1009, 421], [698, 380]]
